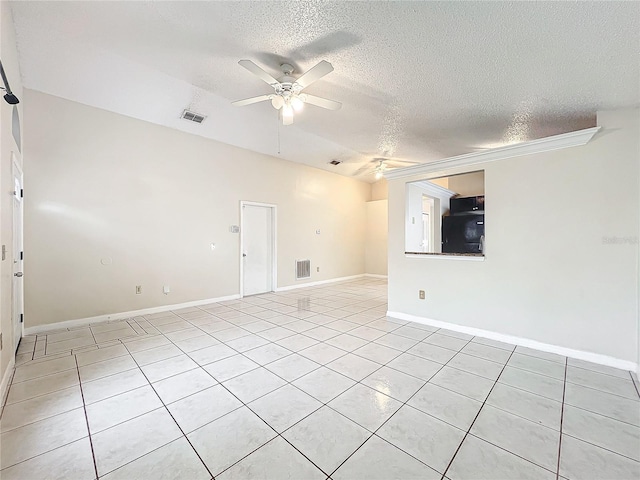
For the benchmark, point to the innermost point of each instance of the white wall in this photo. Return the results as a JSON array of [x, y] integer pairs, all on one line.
[[548, 274], [9, 57], [376, 238], [152, 199]]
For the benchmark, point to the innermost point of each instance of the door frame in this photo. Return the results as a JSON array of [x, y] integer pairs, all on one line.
[[274, 238], [16, 171]]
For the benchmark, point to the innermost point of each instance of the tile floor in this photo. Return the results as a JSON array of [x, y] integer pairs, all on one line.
[[311, 383]]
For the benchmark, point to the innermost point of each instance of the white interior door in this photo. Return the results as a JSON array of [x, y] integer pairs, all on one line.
[[18, 284], [258, 228]]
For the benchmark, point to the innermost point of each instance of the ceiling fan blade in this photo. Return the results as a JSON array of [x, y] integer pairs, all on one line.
[[249, 101], [400, 163], [315, 73], [364, 170], [321, 102], [259, 72]]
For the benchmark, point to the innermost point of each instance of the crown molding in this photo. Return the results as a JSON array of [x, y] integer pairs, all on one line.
[[556, 142]]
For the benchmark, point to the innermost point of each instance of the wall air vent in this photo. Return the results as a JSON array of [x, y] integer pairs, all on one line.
[[335, 162], [193, 117], [303, 269]]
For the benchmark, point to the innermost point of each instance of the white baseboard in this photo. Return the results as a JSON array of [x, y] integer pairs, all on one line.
[[6, 379], [82, 322], [525, 342], [375, 275], [320, 282]]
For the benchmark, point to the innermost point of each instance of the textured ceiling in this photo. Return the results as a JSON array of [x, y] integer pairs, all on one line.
[[418, 80]]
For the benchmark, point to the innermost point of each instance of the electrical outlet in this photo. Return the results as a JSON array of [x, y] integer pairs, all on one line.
[[421, 294], [138, 289], [317, 269]]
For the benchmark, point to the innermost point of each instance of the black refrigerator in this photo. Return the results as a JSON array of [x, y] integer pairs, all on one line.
[[463, 230]]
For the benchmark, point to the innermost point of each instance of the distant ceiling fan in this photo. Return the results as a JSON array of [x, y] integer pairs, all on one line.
[[380, 165], [288, 94]]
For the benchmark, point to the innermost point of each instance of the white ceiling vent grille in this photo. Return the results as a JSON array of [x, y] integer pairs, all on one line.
[[303, 269], [193, 117]]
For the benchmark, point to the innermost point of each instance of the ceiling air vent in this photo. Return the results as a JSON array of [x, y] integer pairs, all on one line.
[[335, 162], [193, 117]]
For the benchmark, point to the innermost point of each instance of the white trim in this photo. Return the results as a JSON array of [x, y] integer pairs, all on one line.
[[82, 322], [274, 243], [466, 258], [555, 142], [375, 275], [435, 190], [525, 342], [6, 380], [17, 309], [321, 282]]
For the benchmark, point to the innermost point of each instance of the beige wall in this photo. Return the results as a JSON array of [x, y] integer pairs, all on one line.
[[152, 199], [8, 145], [376, 241], [548, 275], [442, 181], [468, 185], [379, 190]]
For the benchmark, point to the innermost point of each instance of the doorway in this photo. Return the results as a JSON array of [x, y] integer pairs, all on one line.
[[17, 304], [257, 248]]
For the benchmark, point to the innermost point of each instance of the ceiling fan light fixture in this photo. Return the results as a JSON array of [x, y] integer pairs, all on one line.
[[277, 101], [287, 112], [297, 103], [378, 174], [287, 95]]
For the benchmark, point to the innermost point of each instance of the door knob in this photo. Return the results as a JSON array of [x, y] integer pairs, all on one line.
[[18, 274], [244, 254]]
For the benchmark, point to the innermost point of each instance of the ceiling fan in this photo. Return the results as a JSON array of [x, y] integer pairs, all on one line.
[[288, 95], [379, 165]]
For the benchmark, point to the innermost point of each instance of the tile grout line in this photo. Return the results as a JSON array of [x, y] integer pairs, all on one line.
[[278, 434], [635, 384], [259, 366], [323, 404], [319, 366], [564, 391], [476, 417], [94, 337], [172, 417], [171, 341], [339, 333], [86, 418], [394, 413], [243, 404]]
